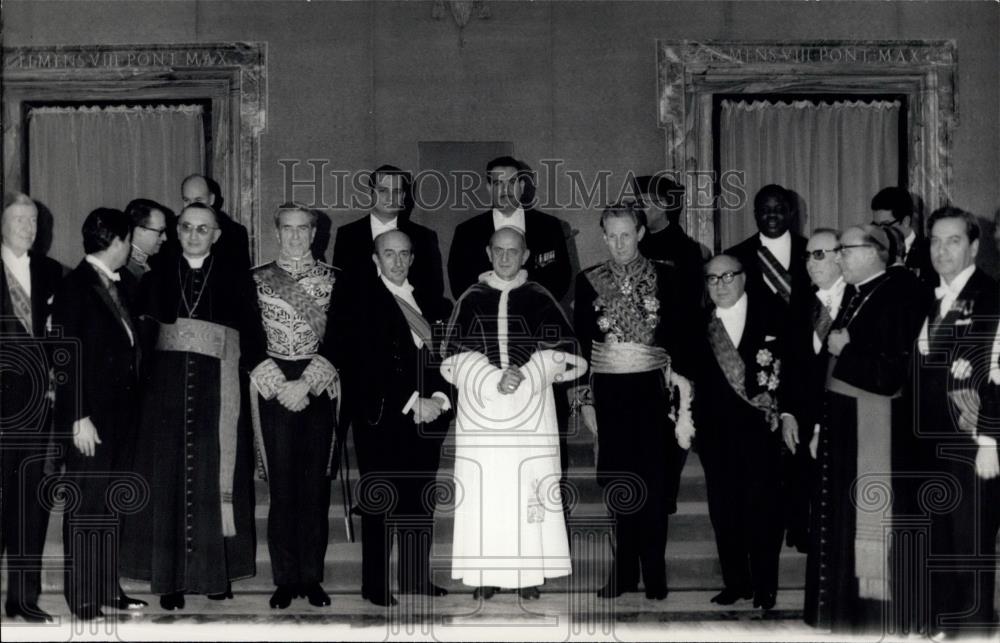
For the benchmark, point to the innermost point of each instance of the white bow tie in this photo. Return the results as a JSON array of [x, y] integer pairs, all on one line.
[[945, 290]]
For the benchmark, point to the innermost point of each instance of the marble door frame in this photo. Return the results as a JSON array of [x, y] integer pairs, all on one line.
[[232, 76], [690, 73]]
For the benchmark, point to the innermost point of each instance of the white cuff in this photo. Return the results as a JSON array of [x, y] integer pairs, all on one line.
[[410, 402], [445, 402], [986, 441]]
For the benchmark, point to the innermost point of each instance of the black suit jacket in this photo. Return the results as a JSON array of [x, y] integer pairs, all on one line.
[[103, 385], [382, 367], [717, 407], [353, 249], [918, 260], [966, 332], [548, 263], [19, 390], [746, 252]]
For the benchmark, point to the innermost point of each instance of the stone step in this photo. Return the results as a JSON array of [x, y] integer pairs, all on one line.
[[690, 565]]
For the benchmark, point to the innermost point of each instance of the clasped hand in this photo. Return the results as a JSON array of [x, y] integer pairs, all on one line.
[[426, 409], [511, 379], [837, 340], [294, 395]]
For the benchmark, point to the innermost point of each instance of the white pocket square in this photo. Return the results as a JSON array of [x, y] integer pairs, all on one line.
[[963, 322], [769, 338]]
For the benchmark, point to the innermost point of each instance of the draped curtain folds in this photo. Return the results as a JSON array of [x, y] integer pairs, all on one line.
[[82, 158], [834, 156]]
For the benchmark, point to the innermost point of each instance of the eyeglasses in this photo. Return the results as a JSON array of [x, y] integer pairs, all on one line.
[[840, 249], [885, 224], [202, 229], [726, 277], [160, 232], [819, 254]]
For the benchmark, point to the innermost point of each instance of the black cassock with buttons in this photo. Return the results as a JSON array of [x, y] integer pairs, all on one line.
[[177, 540]]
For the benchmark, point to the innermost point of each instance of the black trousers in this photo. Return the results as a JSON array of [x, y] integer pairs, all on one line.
[[396, 495], [298, 452], [99, 490], [23, 518], [743, 479]]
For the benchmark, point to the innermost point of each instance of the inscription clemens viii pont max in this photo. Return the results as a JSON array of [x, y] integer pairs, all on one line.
[[117, 58]]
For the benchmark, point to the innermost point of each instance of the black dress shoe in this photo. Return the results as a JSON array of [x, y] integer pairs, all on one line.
[[30, 612], [657, 593], [530, 593], [282, 597], [173, 601], [124, 602], [614, 590], [222, 595], [316, 595], [486, 592], [764, 600], [730, 596], [381, 599], [428, 589], [87, 613]]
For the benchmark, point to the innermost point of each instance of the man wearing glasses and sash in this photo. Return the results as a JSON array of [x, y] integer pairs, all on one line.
[[196, 451], [867, 424]]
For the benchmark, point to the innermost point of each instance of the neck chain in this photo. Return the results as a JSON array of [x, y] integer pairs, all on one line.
[[180, 279]]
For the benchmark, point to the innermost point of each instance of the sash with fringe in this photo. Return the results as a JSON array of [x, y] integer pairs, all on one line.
[[874, 420], [222, 343]]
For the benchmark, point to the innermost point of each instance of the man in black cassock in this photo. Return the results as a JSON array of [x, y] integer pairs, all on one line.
[[508, 342], [196, 535], [737, 412], [636, 325], [398, 403], [95, 406], [26, 288], [774, 261], [957, 423], [391, 192], [292, 407], [869, 437]]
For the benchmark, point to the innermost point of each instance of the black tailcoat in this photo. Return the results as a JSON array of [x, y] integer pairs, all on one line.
[[25, 430], [741, 455], [746, 252], [103, 386], [397, 459]]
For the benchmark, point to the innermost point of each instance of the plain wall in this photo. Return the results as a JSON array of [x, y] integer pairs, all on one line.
[[361, 84]]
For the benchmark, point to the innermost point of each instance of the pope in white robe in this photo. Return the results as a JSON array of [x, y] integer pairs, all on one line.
[[508, 342]]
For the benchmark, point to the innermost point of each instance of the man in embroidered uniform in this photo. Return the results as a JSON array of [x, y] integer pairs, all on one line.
[[866, 433], [958, 431], [293, 419], [636, 328], [663, 202], [737, 411], [149, 231], [95, 407], [508, 341], [26, 289], [804, 389], [511, 187], [392, 204], [197, 533], [399, 415]]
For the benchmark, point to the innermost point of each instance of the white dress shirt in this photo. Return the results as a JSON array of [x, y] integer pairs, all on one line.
[[378, 227], [831, 298], [20, 267], [908, 241], [947, 293], [515, 220], [781, 248], [734, 319]]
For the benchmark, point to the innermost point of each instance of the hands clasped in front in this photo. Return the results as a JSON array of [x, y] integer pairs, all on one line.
[[510, 380]]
